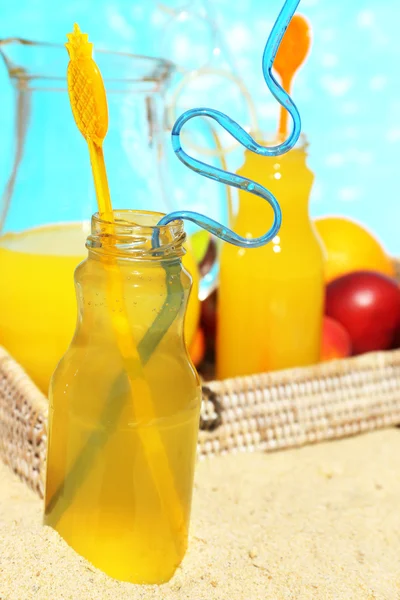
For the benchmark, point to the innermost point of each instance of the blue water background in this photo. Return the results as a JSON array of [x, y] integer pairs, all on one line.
[[348, 93]]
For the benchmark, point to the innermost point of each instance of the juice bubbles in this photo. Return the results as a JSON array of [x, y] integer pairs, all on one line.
[[271, 298], [37, 299], [120, 469]]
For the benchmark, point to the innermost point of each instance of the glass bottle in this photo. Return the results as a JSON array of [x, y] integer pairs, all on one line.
[[123, 426], [49, 196], [270, 300]]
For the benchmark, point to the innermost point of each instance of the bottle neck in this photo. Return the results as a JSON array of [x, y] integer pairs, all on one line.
[[131, 236], [127, 279], [288, 178]]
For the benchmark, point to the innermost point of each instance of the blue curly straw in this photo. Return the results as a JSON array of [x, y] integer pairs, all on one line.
[[173, 302], [245, 140]]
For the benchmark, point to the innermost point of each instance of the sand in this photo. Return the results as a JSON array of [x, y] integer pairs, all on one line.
[[322, 522]]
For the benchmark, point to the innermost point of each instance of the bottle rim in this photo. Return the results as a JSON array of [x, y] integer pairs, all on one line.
[[131, 234]]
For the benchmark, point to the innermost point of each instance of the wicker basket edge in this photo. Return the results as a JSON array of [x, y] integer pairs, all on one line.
[[263, 412]]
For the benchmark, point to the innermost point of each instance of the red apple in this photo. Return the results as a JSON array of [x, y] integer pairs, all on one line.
[[198, 347], [209, 258], [208, 319], [336, 342], [367, 304]]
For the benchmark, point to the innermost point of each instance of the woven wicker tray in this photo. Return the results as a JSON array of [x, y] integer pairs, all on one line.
[[263, 412]]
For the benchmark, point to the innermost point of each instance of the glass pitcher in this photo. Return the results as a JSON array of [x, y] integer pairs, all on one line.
[[125, 404], [49, 196]]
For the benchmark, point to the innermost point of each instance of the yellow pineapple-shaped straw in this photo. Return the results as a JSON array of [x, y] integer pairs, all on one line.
[[89, 106], [88, 101]]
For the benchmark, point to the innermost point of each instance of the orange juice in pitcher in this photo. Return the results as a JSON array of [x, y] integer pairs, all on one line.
[[37, 299]]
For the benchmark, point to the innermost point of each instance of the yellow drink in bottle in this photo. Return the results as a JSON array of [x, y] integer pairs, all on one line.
[[271, 298], [101, 495], [37, 300]]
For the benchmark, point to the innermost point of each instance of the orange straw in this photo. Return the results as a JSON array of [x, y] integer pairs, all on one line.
[[291, 54]]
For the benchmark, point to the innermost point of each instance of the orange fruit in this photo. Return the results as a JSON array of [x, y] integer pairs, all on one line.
[[193, 308], [197, 348], [350, 247]]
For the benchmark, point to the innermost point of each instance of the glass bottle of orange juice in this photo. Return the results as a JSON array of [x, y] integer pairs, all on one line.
[[120, 464], [271, 298]]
